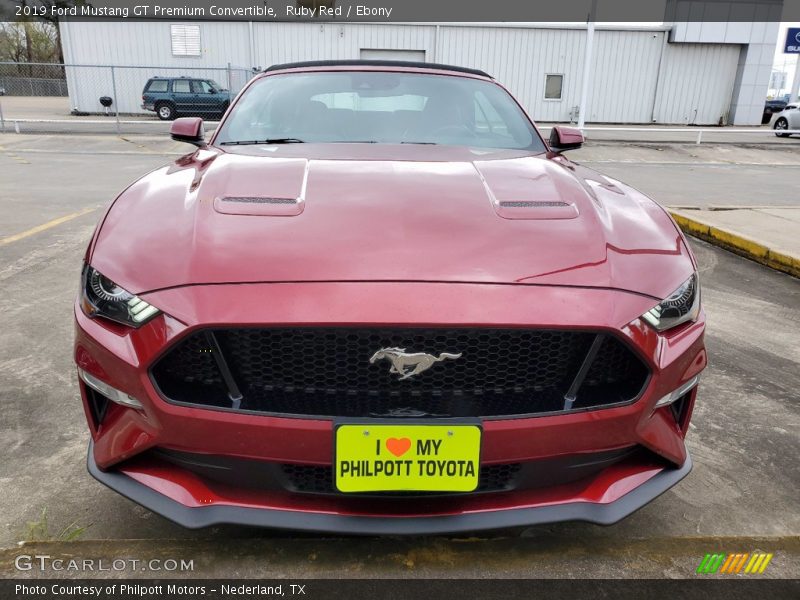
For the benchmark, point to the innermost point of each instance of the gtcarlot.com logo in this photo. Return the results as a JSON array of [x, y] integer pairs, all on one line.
[[749, 563], [45, 562]]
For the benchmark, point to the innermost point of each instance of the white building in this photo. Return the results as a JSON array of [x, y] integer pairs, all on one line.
[[683, 73]]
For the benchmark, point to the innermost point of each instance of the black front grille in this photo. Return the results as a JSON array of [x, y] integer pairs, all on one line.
[[318, 479], [327, 371], [314, 479]]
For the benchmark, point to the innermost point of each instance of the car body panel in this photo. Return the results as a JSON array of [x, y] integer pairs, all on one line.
[[102, 352], [432, 221], [791, 112], [123, 361]]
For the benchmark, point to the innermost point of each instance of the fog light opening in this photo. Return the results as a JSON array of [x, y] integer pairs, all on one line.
[[680, 410], [108, 391]]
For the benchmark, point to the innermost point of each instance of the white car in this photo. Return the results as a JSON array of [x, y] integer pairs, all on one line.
[[788, 118]]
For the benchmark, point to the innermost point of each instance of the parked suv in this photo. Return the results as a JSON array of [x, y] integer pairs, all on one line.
[[171, 96]]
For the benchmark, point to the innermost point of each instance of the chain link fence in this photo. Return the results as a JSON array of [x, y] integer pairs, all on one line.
[[22, 79], [72, 98]]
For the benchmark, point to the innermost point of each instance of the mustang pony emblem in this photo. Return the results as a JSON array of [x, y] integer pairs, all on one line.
[[408, 364]]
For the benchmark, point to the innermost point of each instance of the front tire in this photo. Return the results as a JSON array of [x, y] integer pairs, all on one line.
[[165, 111], [779, 125]]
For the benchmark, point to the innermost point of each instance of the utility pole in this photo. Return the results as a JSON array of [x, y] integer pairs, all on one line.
[[587, 66]]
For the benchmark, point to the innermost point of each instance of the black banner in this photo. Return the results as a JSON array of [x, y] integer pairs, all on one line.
[[401, 589], [397, 11]]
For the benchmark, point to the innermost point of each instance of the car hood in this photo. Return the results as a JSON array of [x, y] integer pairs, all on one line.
[[304, 213]]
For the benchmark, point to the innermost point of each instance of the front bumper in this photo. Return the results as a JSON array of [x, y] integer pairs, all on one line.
[[123, 440], [195, 517]]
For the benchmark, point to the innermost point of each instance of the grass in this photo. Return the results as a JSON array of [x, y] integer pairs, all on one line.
[[39, 531]]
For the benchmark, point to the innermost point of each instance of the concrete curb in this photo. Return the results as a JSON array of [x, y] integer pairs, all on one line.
[[738, 243]]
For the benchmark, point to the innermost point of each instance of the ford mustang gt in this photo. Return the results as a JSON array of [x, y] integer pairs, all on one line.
[[377, 300]]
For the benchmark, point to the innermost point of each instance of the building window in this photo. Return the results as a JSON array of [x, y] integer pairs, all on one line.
[[552, 87], [185, 40]]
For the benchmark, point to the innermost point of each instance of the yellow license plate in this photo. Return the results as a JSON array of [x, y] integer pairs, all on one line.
[[419, 458]]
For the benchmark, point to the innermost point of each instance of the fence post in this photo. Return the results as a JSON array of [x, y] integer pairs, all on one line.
[[2, 120], [699, 137], [228, 72], [116, 100]]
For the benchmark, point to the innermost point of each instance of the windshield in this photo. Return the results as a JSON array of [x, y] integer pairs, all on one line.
[[379, 107]]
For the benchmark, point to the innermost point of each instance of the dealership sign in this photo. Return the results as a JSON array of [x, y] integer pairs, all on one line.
[[792, 41]]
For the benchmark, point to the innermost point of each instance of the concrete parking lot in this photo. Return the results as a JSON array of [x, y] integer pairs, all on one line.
[[742, 495]]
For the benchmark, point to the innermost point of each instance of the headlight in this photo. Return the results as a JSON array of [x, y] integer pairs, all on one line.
[[101, 297], [680, 306]]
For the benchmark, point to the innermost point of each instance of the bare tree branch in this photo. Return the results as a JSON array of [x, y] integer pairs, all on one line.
[[49, 17]]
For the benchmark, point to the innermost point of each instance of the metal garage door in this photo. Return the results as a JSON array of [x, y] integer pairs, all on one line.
[[625, 71], [696, 83]]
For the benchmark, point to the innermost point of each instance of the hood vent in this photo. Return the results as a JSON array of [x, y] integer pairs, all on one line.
[[258, 200], [259, 206], [535, 209], [530, 204]]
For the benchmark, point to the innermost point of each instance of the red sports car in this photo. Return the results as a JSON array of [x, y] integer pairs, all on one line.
[[378, 301]]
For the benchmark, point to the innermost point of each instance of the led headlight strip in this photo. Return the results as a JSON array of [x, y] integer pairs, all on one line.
[[104, 298], [680, 306]]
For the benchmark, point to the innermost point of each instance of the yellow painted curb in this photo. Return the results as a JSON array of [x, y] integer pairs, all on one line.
[[739, 244]]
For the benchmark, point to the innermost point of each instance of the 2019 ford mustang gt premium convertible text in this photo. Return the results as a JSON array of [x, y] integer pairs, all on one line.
[[377, 301]]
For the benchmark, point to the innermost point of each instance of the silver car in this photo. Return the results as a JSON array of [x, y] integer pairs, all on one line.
[[788, 118]]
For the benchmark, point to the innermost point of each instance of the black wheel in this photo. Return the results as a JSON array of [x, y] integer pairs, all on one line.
[[165, 111], [779, 125]]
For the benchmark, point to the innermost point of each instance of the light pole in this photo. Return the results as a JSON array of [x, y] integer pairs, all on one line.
[[587, 66]]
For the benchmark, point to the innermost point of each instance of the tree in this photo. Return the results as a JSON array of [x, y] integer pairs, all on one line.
[[50, 18], [28, 42], [12, 42]]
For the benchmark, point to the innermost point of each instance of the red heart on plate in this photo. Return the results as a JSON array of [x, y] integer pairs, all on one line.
[[398, 447]]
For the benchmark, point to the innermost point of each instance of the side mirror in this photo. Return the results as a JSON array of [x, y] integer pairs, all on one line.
[[565, 138], [189, 130]]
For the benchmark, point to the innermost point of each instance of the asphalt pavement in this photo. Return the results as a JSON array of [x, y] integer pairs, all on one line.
[[745, 440]]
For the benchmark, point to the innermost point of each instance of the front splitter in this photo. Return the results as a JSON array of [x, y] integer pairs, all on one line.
[[205, 516]]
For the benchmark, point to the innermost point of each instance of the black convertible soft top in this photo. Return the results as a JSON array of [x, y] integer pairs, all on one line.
[[375, 63]]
